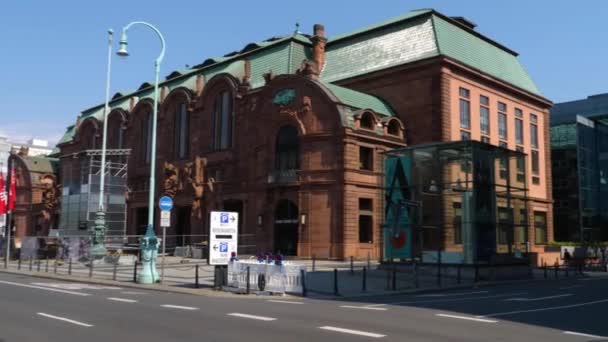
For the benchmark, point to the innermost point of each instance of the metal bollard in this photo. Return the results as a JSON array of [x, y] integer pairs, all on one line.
[[336, 282], [416, 283], [314, 261], [303, 278], [46, 268], [196, 283], [556, 270], [545, 271], [31, 261], [38, 265], [394, 279], [476, 273], [352, 266], [248, 281], [19, 263], [135, 272], [458, 274], [70, 266], [115, 270], [364, 280], [56, 263], [91, 269]]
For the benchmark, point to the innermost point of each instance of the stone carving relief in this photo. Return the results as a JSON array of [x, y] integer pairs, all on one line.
[[171, 182], [194, 174]]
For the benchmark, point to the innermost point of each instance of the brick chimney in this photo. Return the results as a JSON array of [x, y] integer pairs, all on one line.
[[318, 46]]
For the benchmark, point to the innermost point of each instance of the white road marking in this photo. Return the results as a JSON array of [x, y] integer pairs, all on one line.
[[178, 307], [65, 319], [451, 294], [44, 288], [125, 300], [451, 299], [570, 287], [133, 293], [284, 301], [354, 332], [259, 318], [581, 334], [537, 299], [363, 307], [544, 309], [468, 318], [77, 286]]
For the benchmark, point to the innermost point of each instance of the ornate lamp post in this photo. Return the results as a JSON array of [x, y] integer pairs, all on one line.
[[149, 243], [98, 248]]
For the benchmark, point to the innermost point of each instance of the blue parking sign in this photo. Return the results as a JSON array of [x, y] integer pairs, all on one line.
[[223, 247], [224, 218]]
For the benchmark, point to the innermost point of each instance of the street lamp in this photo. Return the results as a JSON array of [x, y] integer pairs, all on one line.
[[149, 243], [99, 231]]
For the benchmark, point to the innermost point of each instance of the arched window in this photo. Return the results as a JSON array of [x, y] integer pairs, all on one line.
[[222, 121], [146, 138], [287, 155], [115, 132], [393, 128], [89, 135], [367, 121], [182, 131]]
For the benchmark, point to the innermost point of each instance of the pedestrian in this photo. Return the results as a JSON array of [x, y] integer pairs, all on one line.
[[567, 257]]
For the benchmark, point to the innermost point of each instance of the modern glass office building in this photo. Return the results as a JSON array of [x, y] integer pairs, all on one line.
[[579, 151]]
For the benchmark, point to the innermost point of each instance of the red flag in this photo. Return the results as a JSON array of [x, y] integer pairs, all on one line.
[[3, 201], [12, 191]]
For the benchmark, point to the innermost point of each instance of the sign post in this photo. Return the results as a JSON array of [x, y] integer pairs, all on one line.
[[165, 204], [223, 237]]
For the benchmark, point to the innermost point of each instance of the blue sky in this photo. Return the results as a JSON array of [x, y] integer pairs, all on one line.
[[53, 58]]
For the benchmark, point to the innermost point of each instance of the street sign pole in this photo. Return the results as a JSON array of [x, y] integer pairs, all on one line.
[[166, 204], [162, 266]]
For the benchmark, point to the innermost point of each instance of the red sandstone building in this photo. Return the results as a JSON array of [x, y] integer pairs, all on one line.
[[289, 131]]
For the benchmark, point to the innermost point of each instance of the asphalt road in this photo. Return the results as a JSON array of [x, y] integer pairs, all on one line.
[[35, 309]]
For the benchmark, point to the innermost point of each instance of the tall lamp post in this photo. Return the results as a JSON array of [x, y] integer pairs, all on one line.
[[149, 243], [99, 247]]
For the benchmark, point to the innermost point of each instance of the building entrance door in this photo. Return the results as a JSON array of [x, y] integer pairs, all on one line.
[[286, 228], [182, 227]]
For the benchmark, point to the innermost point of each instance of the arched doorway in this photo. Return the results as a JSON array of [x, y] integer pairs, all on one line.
[[286, 228]]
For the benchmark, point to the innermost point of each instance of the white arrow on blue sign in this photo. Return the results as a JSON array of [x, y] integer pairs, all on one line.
[[165, 203]]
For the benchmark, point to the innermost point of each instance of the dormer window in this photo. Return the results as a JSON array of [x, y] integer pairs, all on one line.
[[367, 121], [393, 128]]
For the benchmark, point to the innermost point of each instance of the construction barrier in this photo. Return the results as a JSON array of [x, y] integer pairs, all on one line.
[[268, 277]]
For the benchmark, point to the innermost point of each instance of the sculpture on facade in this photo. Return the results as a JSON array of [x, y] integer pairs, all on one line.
[[50, 202], [194, 173], [171, 182]]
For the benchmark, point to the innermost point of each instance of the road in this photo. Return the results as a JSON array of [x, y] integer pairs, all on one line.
[[36, 309]]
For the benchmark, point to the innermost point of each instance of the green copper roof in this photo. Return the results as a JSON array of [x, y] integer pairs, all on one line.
[[40, 164], [460, 44], [68, 135], [419, 35], [360, 100]]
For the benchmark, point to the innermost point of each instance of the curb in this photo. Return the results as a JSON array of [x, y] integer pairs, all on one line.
[[154, 287]]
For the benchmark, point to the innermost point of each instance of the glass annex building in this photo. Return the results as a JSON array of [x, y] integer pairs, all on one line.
[[456, 202], [579, 153]]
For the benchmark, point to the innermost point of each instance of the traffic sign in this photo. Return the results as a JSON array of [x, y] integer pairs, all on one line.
[[165, 203], [165, 218], [223, 236]]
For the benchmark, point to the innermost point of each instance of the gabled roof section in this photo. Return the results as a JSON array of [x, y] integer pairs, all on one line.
[[460, 44], [359, 100], [418, 35], [593, 107], [68, 135]]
